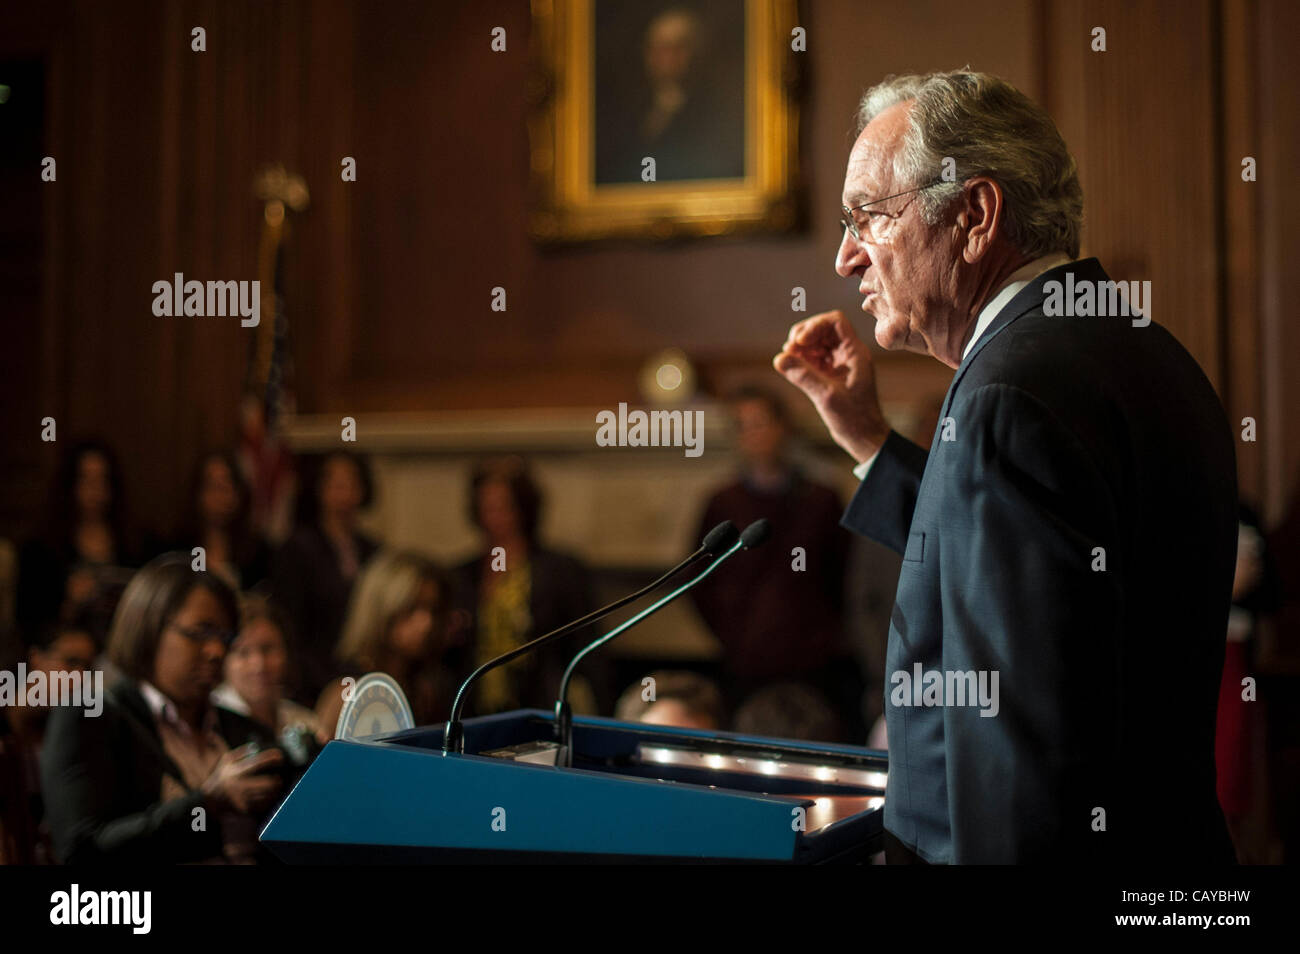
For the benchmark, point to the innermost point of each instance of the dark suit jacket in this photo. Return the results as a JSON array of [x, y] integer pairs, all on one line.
[[1069, 434], [102, 776]]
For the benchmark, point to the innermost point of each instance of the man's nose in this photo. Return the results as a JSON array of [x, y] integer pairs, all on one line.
[[850, 256]]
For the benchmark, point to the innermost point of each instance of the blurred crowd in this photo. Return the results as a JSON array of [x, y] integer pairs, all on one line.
[[226, 644]]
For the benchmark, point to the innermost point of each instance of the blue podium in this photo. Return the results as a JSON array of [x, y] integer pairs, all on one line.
[[636, 793]]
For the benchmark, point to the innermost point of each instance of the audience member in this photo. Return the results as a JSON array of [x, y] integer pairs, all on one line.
[[517, 590], [219, 521], [1255, 592], [314, 571], [125, 786], [396, 624], [256, 673], [673, 697], [789, 711], [24, 837], [77, 565], [779, 612]]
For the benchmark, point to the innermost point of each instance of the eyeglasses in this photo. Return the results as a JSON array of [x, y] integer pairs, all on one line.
[[874, 221], [201, 634]]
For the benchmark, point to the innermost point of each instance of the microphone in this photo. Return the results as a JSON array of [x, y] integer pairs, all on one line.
[[715, 541], [753, 535]]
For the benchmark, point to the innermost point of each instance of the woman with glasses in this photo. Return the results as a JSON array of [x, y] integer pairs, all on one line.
[[160, 775]]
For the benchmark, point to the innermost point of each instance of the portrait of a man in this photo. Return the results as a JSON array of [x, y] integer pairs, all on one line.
[[664, 119], [669, 86]]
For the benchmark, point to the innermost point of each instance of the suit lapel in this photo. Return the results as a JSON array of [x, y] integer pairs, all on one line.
[[1028, 300], [137, 715]]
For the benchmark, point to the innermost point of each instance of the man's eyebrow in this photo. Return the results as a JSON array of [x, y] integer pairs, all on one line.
[[855, 199]]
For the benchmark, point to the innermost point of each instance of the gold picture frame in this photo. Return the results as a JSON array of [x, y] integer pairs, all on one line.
[[584, 123]]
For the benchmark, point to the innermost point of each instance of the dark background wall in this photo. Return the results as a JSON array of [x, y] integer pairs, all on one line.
[[389, 277]]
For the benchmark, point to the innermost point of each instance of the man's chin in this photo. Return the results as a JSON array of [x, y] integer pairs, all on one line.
[[887, 337]]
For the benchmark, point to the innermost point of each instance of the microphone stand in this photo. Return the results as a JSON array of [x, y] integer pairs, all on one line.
[[453, 739], [754, 534]]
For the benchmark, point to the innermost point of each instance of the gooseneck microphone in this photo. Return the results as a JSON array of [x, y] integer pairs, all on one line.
[[753, 535], [718, 539]]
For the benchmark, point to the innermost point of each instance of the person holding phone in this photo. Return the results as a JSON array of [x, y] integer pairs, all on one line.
[[161, 775]]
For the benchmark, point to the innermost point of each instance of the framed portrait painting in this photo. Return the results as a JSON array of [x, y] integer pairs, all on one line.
[[663, 119]]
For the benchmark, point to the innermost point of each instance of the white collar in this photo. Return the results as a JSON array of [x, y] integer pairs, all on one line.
[[165, 711], [1014, 283], [159, 705], [226, 697]]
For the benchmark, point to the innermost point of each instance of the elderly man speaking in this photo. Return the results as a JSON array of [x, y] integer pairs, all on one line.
[[1068, 540]]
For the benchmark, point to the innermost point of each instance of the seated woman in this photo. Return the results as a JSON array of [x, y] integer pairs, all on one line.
[[133, 784], [24, 836], [396, 624], [256, 672]]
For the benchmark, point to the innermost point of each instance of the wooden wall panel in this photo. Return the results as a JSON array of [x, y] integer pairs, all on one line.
[[157, 146], [1240, 316], [1278, 136], [388, 277], [1140, 120]]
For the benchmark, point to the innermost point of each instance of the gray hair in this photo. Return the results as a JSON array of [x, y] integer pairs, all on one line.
[[988, 127]]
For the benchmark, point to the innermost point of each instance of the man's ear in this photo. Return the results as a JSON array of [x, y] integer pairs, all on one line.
[[981, 217]]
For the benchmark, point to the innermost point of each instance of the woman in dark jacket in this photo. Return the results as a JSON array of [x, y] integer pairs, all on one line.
[[160, 775], [515, 591]]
